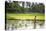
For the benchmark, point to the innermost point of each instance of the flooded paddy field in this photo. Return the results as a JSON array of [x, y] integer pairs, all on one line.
[[22, 24], [24, 21]]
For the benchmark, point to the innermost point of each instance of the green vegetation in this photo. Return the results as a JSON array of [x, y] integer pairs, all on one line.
[[15, 11], [14, 7], [26, 16]]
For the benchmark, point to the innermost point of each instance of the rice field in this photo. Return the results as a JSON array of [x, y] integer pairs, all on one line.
[[26, 16], [24, 21]]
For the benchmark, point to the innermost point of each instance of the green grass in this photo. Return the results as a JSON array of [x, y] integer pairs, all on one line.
[[26, 16]]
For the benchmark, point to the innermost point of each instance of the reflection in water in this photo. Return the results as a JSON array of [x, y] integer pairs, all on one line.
[[19, 24]]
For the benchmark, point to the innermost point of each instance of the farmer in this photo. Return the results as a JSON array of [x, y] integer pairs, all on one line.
[[35, 22]]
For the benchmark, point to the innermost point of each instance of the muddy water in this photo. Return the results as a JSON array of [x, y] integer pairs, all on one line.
[[22, 25]]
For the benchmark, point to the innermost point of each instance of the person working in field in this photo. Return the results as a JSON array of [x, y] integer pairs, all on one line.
[[35, 22]]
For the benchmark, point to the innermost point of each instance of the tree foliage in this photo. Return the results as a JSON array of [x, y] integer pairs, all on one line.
[[14, 7]]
